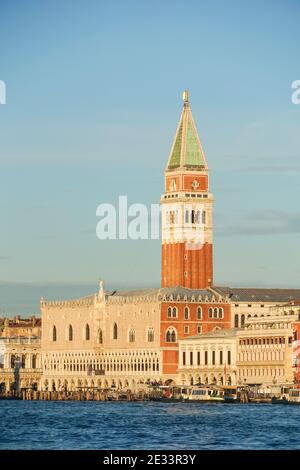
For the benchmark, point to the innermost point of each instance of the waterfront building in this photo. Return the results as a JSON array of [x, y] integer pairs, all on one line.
[[107, 339], [188, 312], [209, 358], [265, 348], [296, 350], [20, 356], [20, 363], [264, 352], [124, 339]]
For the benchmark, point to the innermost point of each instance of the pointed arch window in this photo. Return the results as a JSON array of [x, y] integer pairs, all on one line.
[[131, 336], [70, 333], [54, 333], [150, 335], [115, 331], [87, 332], [186, 313], [100, 337], [171, 335], [199, 313]]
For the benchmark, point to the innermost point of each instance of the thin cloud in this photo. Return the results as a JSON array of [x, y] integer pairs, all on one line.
[[274, 168], [263, 222]]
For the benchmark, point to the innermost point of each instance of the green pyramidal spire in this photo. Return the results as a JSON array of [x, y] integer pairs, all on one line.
[[186, 151]]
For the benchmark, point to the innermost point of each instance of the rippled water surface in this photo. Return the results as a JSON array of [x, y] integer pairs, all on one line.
[[98, 425]]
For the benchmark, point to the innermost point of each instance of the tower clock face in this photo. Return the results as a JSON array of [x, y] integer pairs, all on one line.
[[195, 184]]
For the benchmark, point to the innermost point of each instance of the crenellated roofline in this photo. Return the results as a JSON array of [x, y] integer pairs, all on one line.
[[165, 294]]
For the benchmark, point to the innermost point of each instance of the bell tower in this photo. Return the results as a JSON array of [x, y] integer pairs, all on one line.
[[187, 210]]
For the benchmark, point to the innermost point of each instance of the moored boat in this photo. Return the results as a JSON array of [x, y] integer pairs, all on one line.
[[283, 400], [230, 394], [169, 394], [205, 394], [294, 396]]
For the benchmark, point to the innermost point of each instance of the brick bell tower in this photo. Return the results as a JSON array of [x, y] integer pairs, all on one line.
[[187, 210]]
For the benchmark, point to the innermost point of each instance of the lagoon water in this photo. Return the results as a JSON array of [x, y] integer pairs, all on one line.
[[147, 425]]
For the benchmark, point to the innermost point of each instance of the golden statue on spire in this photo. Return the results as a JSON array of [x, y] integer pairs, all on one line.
[[185, 96]]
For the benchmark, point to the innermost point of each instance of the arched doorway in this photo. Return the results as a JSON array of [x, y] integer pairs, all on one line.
[[170, 383], [34, 386]]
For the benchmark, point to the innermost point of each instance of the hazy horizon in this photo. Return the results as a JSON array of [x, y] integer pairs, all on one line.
[[23, 298]]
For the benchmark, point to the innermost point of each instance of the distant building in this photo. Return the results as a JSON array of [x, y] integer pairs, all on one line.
[[20, 354], [255, 302], [296, 350], [18, 326]]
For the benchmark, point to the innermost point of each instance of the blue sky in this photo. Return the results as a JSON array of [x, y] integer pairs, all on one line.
[[93, 101]]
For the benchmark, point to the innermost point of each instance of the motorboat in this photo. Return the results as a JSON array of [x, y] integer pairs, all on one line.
[[205, 394]]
